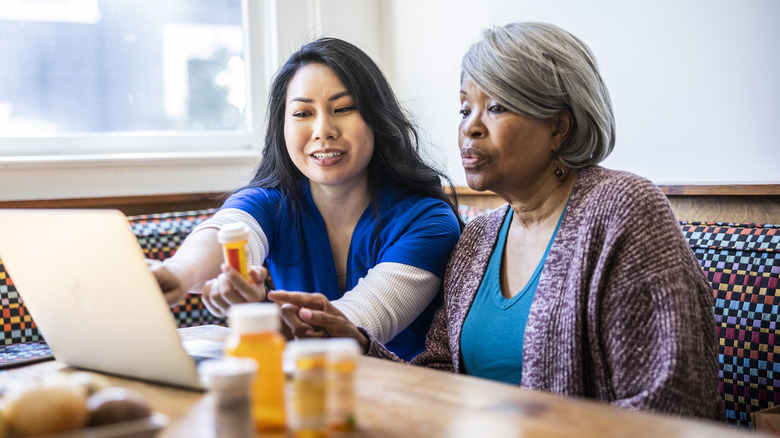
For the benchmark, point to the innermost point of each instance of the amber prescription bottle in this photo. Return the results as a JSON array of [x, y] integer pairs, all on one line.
[[235, 246], [255, 334], [229, 380], [342, 360], [307, 399]]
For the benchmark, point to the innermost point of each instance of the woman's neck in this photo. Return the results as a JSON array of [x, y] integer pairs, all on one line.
[[543, 205], [343, 204]]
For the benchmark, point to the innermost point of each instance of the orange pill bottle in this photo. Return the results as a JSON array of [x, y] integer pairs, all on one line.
[[235, 244], [255, 334]]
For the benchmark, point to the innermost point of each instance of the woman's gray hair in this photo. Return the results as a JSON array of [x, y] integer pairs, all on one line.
[[537, 70]]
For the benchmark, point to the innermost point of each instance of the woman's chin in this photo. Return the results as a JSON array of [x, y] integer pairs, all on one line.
[[477, 184]]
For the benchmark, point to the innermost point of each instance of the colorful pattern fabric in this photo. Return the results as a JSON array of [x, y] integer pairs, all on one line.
[[742, 262], [160, 235], [18, 326]]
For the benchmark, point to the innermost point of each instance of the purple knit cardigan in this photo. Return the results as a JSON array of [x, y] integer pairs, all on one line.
[[622, 314]]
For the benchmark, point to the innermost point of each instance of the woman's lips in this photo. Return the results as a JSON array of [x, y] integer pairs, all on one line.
[[327, 158], [470, 159]]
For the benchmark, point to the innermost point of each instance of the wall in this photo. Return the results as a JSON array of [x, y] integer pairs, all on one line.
[[693, 82]]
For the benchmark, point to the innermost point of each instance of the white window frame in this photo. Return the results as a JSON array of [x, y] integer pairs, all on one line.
[[119, 164]]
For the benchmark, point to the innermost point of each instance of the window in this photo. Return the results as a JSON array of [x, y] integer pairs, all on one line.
[[117, 76]]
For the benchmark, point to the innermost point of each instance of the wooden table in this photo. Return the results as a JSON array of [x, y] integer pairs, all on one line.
[[395, 400]]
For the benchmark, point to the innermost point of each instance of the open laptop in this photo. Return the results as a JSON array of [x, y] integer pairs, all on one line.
[[83, 277]]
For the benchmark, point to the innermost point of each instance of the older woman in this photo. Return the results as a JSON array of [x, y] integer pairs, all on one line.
[[582, 284]]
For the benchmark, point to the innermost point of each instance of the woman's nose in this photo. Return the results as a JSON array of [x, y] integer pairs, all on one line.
[[324, 128], [473, 127]]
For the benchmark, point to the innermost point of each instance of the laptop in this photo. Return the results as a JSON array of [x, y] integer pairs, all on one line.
[[83, 277]]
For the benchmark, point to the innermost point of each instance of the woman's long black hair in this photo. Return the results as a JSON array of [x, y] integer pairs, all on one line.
[[396, 159]]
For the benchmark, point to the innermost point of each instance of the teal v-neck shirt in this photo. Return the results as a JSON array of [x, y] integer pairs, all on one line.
[[492, 336]]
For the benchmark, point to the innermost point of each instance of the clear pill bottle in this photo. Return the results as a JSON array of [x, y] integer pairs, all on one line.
[[307, 399], [342, 361], [234, 239], [229, 381], [255, 334]]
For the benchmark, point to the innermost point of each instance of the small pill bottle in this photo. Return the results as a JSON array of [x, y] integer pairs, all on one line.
[[255, 334], [234, 239], [307, 397], [342, 361], [229, 380]]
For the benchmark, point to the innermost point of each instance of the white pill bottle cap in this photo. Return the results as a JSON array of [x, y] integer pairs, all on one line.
[[254, 317], [233, 232]]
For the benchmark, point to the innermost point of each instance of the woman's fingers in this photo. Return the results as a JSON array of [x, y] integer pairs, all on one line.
[[311, 315], [169, 283], [300, 299], [238, 289], [299, 328], [213, 302]]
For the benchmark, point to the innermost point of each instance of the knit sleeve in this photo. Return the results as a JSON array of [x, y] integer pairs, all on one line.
[[652, 310]]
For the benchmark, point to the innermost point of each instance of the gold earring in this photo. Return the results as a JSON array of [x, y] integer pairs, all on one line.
[[560, 174]]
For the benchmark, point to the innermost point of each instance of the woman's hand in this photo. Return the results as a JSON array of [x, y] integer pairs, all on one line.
[[311, 315], [170, 278], [231, 288]]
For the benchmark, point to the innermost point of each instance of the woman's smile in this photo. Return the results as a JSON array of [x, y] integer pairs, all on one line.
[[327, 158]]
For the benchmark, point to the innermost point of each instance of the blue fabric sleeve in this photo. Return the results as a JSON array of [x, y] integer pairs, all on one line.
[[420, 233]]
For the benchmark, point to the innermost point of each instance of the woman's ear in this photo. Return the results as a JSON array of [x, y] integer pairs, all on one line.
[[563, 123]]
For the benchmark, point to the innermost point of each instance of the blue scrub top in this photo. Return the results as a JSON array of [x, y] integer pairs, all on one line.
[[412, 230]]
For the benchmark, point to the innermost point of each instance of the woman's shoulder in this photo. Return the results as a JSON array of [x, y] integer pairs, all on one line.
[[400, 208], [252, 197], [604, 186], [617, 195], [603, 179], [404, 201]]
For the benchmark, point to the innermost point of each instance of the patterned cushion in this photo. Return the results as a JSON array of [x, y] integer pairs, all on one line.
[[18, 326], [742, 262], [160, 235]]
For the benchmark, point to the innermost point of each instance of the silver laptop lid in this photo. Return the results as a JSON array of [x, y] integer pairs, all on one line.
[[83, 278]]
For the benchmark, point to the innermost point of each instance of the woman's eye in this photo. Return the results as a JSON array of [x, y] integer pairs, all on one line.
[[465, 113], [344, 109], [497, 109], [300, 114]]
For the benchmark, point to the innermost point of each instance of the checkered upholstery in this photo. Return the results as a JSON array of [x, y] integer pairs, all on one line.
[[18, 326], [742, 263], [160, 235]]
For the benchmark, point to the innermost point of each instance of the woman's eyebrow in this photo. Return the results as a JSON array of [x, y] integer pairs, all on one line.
[[331, 98], [339, 95]]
